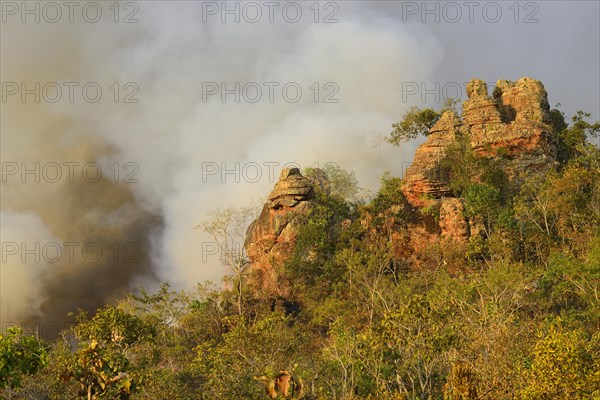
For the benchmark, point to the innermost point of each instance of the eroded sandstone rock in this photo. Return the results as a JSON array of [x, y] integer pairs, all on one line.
[[528, 136], [271, 237], [515, 122], [481, 116], [425, 178]]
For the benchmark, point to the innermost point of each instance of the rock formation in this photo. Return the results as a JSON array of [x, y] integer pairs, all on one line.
[[516, 119], [425, 177], [528, 136], [270, 238], [514, 124]]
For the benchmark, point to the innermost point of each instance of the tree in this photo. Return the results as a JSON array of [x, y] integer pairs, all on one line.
[[483, 201], [341, 182], [227, 229], [418, 121], [572, 140], [230, 363], [414, 122], [182, 320], [101, 364], [20, 355], [461, 384], [389, 194], [563, 366]]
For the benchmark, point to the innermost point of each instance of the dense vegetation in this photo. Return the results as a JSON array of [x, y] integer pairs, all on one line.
[[512, 315]]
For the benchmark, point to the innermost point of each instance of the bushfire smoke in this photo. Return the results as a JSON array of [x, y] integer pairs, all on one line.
[[124, 124], [309, 93]]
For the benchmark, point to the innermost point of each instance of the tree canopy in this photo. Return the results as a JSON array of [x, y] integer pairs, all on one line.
[[511, 313]]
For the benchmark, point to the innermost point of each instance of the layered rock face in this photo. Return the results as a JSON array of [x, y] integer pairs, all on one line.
[[525, 133], [481, 115], [516, 119], [270, 238], [425, 176]]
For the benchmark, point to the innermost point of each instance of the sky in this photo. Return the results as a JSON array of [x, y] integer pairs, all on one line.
[[124, 124]]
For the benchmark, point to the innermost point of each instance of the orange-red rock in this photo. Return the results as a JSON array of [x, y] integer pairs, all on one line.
[[516, 120], [271, 237], [424, 179]]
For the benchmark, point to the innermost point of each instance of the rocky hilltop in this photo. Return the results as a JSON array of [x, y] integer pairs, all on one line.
[[514, 122]]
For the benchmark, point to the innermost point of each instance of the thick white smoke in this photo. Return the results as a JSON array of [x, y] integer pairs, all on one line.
[[177, 134], [20, 292]]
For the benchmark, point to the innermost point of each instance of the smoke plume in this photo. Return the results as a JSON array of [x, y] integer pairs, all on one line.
[[169, 150]]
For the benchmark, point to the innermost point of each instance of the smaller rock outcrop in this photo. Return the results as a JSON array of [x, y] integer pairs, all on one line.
[[426, 177], [271, 237]]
